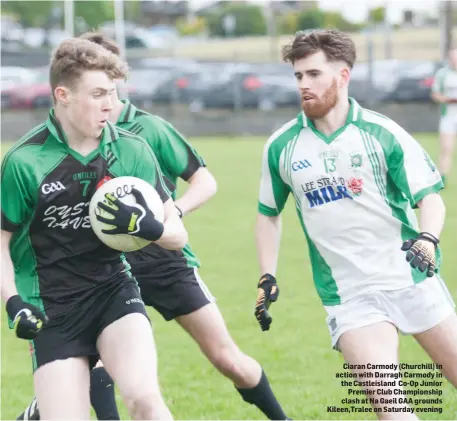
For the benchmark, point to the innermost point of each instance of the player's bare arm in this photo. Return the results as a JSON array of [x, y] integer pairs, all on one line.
[[202, 186], [268, 238], [432, 214], [439, 98], [8, 284], [174, 235], [421, 251]]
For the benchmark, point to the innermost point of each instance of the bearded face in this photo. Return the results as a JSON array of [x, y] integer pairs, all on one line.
[[319, 82], [315, 106]]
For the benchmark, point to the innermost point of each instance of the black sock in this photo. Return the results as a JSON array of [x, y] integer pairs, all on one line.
[[262, 396], [102, 395]]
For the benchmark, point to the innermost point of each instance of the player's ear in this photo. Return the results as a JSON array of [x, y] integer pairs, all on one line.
[[62, 94], [344, 76]]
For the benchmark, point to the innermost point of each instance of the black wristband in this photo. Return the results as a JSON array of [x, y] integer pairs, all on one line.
[[267, 277], [179, 211], [429, 237], [14, 305]]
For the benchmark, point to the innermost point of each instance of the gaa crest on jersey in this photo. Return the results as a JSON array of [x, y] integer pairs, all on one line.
[[356, 160], [355, 186]]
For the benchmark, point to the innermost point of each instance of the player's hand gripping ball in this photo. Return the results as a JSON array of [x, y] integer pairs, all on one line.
[[126, 213]]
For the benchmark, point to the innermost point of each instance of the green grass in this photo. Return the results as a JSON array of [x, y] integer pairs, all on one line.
[[295, 353]]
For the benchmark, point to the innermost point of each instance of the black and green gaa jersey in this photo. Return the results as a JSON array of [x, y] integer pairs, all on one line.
[[46, 190], [177, 159]]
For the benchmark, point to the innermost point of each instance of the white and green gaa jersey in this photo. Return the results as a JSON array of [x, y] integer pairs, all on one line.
[[445, 82], [354, 193]]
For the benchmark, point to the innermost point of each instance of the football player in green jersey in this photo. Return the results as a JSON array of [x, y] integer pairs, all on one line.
[[73, 297]]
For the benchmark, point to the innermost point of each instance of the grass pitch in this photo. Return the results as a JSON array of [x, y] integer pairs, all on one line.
[[295, 353]]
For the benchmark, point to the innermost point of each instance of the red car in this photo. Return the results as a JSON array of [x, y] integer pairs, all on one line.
[[31, 95]]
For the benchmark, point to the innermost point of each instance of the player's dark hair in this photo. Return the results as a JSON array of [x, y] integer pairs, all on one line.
[[103, 40], [336, 45]]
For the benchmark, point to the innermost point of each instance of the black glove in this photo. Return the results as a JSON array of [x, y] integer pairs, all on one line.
[[28, 320], [137, 220], [268, 292], [420, 254]]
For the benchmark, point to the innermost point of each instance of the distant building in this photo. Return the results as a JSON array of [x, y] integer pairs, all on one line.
[[163, 12]]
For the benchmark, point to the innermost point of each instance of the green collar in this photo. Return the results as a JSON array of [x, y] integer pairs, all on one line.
[[128, 112], [109, 133], [354, 114]]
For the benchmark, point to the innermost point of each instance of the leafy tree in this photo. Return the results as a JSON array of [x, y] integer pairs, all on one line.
[[377, 15], [195, 27], [94, 12], [29, 13], [288, 24], [311, 19], [336, 20], [39, 13], [249, 20]]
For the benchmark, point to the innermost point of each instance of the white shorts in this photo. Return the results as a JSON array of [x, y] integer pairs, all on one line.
[[411, 310], [448, 124]]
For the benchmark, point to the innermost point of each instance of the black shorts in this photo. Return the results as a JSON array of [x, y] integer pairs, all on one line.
[[75, 333], [175, 296]]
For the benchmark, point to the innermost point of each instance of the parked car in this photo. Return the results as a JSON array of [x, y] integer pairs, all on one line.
[[32, 94], [238, 85], [415, 85], [13, 75]]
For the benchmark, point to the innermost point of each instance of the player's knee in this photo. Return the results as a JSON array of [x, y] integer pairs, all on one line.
[[227, 359], [143, 403]]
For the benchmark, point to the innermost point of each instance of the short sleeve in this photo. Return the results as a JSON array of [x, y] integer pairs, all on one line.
[[438, 81], [177, 157], [411, 168], [148, 169], [273, 191], [16, 198]]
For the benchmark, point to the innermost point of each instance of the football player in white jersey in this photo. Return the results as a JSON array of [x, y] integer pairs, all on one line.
[[444, 92], [355, 177]]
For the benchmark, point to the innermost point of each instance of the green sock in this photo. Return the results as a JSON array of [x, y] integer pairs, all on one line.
[[444, 179]]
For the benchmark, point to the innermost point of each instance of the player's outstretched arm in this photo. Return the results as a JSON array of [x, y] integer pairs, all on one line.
[[174, 235], [202, 186]]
